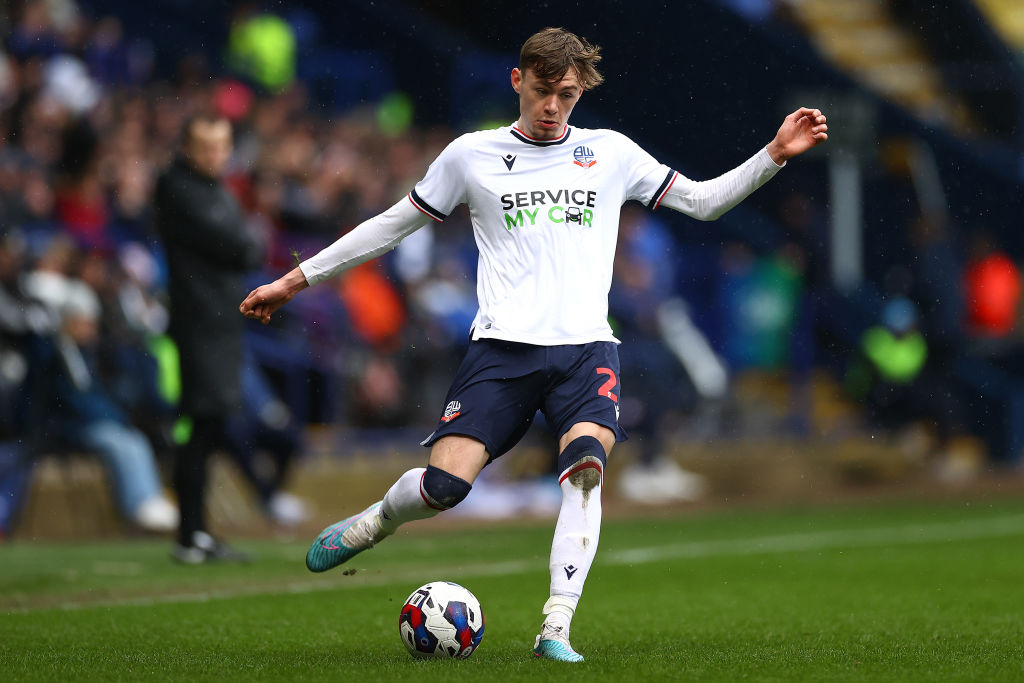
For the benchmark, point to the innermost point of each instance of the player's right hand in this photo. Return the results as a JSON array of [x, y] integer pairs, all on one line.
[[260, 303], [263, 301]]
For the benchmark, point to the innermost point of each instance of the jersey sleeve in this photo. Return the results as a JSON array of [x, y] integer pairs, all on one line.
[[646, 179], [444, 186], [369, 239], [706, 200]]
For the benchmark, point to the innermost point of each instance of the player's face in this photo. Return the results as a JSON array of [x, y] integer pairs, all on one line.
[[544, 106]]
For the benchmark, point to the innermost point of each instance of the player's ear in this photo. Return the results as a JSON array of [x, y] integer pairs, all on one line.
[[517, 78]]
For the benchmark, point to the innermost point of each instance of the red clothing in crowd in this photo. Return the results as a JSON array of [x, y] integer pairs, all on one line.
[[993, 288]]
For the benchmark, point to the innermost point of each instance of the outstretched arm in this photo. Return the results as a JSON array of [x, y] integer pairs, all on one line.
[[367, 240], [708, 199]]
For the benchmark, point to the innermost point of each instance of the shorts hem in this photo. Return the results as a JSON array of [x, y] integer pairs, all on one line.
[[438, 434]]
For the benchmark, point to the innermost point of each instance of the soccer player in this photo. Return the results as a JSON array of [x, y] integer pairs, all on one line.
[[544, 199]]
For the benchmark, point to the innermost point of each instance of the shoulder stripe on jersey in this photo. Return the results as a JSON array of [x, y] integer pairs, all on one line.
[[662, 190], [418, 202], [520, 135]]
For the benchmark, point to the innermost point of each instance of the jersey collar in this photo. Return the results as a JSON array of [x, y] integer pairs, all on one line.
[[519, 134]]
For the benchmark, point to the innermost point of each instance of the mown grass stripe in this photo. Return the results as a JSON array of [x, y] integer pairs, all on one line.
[[910, 534]]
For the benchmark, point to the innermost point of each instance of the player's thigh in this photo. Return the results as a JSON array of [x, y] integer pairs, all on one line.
[[603, 434], [462, 456], [494, 396], [586, 391]]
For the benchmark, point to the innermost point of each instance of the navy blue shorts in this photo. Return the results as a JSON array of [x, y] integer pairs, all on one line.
[[501, 385]]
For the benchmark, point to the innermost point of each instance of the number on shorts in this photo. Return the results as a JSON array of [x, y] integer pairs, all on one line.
[[606, 388]]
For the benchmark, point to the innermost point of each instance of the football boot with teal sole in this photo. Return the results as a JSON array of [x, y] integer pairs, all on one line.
[[556, 649], [328, 550]]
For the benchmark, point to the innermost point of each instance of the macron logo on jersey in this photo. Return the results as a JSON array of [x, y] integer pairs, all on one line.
[[509, 159]]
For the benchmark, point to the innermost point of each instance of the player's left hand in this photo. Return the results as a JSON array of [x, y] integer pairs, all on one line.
[[800, 131]]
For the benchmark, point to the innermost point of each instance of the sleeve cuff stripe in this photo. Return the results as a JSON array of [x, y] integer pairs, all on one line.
[[418, 202], [663, 189]]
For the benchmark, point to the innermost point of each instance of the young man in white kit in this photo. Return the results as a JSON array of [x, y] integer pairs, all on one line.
[[544, 201]]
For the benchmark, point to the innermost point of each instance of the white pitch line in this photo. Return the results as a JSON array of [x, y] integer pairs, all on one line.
[[911, 534], [964, 530]]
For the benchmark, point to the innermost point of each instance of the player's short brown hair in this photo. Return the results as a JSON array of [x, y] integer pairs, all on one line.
[[552, 52]]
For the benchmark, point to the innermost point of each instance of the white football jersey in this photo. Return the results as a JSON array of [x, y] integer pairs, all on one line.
[[545, 217]]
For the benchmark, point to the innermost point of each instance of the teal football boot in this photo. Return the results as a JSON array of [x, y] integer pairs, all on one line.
[[340, 542]]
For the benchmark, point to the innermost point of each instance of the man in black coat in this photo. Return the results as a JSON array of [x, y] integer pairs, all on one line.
[[208, 251]]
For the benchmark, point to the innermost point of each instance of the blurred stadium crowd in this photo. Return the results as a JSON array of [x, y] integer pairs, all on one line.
[[87, 123]]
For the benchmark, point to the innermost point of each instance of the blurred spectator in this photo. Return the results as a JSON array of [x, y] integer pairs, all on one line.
[[805, 251], [66, 79], [208, 252], [262, 49], [659, 384], [992, 370], [760, 297], [35, 33], [132, 318], [898, 381], [937, 259], [17, 321], [112, 59], [264, 439], [992, 285], [81, 203], [71, 408]]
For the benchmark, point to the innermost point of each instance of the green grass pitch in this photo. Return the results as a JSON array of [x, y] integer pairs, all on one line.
[[900, 592]]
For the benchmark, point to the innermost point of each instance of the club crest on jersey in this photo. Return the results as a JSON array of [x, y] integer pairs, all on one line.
[[451, 411], [583, 156]]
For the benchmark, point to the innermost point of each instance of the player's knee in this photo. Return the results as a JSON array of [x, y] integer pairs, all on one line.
[[582, 463], [442, 490]]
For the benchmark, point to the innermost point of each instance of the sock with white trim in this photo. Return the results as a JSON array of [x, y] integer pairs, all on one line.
[[418, 494]]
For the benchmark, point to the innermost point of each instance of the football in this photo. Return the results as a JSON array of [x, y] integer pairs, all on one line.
[[441, 619]]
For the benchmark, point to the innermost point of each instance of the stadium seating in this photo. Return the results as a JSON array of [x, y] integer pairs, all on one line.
[[863, 37]]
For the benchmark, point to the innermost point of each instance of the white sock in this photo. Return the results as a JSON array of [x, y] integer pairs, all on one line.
[[558, 611], [404, 503], [576, 535]]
